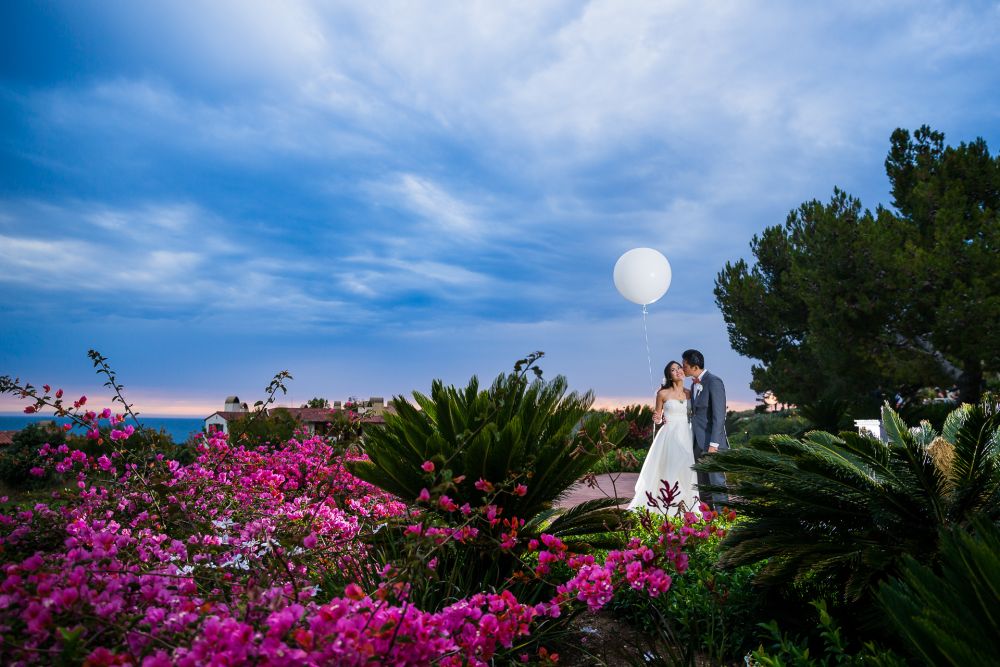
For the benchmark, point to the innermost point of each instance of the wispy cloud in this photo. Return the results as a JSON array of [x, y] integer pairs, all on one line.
[[389, 278], [174, 256], [450, 215]]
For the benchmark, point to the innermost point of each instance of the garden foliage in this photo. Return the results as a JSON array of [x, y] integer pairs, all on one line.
[[948, 612], [711, 612], [523, 443], [849, 508], [265, 554]]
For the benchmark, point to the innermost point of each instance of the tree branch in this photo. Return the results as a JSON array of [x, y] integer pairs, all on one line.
[[921, 344]]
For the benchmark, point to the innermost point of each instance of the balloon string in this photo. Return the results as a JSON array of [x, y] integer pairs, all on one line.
[[649, 359]]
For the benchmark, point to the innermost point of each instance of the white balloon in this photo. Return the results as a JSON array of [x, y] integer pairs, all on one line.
[[642, 275]]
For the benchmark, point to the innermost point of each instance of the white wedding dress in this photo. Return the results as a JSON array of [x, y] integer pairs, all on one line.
[[669, 459]]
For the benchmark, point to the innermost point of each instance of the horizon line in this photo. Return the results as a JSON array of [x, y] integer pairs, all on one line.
[[199, 411]]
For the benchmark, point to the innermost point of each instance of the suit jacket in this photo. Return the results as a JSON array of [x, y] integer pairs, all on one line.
[[708, 415]]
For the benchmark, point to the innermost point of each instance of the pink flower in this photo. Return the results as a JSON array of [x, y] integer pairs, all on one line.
[[521, 490], [47, 388], [59, 393], [424, 496], [83, 400], [483, 485], [30, 410], [428, 466], [37, 472], [310, 541], [353, 591]]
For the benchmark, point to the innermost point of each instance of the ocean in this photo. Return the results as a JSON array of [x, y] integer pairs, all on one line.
[[179, 428]]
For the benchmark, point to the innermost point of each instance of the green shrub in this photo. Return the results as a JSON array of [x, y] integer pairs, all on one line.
[[17, 460], [829, 648], [620, 460], [847, 510], [638, 419], [933, 412], [276, 427], [515, 432], [709, 611], [949, 614], [826, 414], [742, 426]]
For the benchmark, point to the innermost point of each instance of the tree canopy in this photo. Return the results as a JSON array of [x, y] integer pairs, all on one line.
[[845, 303]]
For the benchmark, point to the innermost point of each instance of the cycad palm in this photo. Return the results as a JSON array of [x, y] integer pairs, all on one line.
[[847, 509], [951, 616], [515, 431]]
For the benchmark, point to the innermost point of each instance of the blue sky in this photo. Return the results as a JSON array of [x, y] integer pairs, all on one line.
[[372, 195]]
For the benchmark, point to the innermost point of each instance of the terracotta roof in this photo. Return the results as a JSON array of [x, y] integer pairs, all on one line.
[[7, 437], [323, 415], [309, 415]]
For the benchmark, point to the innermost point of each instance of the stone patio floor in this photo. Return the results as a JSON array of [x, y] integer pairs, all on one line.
[[607, 485]]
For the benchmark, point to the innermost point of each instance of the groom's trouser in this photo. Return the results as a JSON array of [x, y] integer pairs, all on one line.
[[714, 500]]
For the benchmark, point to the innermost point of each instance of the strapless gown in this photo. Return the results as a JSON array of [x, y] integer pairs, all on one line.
[[669, 460]]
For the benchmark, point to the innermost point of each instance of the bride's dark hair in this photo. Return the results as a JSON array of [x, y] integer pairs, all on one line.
[[667, 380]]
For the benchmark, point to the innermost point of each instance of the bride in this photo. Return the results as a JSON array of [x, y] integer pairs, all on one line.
[[671, 455]]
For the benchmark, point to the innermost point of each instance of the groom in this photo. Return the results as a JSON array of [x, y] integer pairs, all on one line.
[[708, 420]]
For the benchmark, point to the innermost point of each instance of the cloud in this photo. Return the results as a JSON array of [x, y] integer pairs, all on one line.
[[437, 206], [313, 168], [387, 278], [155, 258]]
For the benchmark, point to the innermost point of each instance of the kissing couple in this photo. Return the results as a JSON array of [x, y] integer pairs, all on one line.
[[692, 425]]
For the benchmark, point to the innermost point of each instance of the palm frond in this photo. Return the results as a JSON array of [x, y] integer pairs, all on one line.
[[848, 508], [975, 466], [954, 421], [951, 615]]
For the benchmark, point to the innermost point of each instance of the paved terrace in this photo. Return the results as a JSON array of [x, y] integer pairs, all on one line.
[[607, 485]]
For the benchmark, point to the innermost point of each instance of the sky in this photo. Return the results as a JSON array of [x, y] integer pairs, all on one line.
[[373, 195]]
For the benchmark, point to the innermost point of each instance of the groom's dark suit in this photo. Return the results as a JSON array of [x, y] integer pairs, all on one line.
[[708, 425]]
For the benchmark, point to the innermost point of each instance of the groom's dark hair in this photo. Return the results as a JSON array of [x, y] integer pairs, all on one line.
[[694, 358]]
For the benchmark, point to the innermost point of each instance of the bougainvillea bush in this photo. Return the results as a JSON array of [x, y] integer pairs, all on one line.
[[263, 555]]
